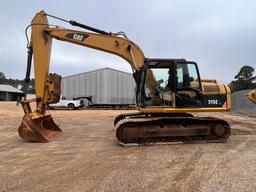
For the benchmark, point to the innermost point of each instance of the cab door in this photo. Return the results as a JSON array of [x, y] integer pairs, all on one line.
[[158, 91]]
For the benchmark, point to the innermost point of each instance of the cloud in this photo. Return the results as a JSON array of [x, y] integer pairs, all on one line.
[[219, 35]]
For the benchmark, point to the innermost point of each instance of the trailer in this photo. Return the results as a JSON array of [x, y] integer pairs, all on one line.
[[102, 88], [88, 103]]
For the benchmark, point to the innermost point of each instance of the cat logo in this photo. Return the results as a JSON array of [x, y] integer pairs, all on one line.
[[77, 36]]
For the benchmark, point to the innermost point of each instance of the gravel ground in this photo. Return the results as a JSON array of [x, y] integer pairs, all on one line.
[[87, 158]]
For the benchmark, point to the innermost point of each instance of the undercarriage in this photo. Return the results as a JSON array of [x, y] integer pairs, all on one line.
[[147, 129]]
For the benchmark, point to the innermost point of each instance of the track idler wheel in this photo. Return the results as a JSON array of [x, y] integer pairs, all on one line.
[[40, 129], [218, 130]]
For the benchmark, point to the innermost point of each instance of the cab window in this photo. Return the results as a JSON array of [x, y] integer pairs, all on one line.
[[187, 76]]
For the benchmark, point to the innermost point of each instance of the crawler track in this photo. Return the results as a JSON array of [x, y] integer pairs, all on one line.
[[154, 129]]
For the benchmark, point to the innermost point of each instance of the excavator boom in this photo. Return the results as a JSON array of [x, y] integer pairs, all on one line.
[[38, 125]]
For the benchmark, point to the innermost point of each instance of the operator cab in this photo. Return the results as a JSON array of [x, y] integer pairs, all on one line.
[[170, 83]]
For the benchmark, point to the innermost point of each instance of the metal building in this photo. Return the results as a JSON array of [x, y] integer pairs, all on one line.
[[106, 86], [9, 93]]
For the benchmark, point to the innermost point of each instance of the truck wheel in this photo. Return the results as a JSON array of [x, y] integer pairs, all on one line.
[[71, 106]]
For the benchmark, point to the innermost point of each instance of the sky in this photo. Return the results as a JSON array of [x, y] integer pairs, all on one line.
[[219, 35]]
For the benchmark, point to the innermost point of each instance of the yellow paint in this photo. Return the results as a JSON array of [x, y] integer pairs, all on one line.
[[252, 96]]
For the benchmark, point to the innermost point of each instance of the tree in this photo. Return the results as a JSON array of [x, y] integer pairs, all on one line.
[[2, 78], [244, 79], [245, 73], [17, 83]]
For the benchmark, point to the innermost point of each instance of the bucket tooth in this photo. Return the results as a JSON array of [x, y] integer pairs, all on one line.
[[41, 129]]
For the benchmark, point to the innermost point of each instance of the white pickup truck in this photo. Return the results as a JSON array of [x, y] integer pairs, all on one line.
[[64, 103]]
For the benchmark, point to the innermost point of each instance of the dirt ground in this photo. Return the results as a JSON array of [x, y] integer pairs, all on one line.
[[86, 157]]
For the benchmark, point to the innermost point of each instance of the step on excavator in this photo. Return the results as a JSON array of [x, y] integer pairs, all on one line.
[[167, 90]]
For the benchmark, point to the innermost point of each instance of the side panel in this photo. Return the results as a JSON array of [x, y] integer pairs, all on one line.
[[106, 86], [216, 95], [214, 100]]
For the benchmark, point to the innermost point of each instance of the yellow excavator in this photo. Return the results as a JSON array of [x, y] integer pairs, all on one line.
[[252, 96], [167, 90]]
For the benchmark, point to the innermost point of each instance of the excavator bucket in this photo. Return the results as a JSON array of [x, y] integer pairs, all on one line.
[[41, 129]]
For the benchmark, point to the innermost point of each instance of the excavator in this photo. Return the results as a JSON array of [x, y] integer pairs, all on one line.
[[252, 96], [167, 91]]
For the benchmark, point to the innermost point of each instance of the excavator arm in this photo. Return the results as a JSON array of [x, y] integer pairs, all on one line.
[[38, 125], [42, 35]]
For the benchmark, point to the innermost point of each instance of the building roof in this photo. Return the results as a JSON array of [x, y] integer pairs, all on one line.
[[101, 69], [8, 88]]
